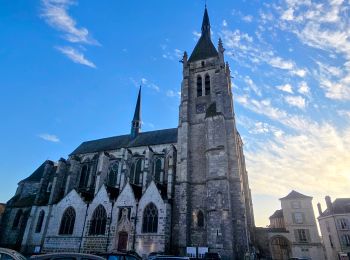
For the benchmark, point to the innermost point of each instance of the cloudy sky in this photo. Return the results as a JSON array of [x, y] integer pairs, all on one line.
[[70, 70]]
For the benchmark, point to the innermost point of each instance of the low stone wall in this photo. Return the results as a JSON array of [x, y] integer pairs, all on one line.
[[61, 244]]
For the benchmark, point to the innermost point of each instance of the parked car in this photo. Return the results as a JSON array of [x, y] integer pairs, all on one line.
[[9, 254], [66, 256], [212, 256], [153, 255], [121, 256], [169, 257]]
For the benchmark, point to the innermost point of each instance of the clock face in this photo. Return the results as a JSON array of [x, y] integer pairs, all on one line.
[[200, 108]]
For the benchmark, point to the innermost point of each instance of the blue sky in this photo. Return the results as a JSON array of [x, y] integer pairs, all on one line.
[[69, 72]]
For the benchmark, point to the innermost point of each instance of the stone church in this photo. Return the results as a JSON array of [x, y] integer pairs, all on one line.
[[167, 190]]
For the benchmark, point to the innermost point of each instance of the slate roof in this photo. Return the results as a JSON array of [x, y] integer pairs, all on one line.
[[137, 191], [37, 174], [16, 201], [295, 195], [112, 192], [339, 206], [166, 136], [204, 48], [277, 214]]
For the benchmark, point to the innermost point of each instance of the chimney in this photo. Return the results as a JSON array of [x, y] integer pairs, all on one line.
[[329, 203], [319, 209]]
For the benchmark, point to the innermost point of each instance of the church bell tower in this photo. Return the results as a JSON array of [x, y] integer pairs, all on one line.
[[212, 206]]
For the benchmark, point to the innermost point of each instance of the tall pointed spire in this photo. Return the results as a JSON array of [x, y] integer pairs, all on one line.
[[206, 23], [136, 121], [204, 48]]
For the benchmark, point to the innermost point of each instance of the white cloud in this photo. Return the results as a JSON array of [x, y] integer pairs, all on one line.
[[171, 93], [174, 54], [296, 101], [224, 23], [289, 162], [145, 83], [303, 88], [250, 83], [335, 82], [288, 15], [286, 88], [278, 62], [49, 137], [247, 18], [76, 56], [299, 72], [264, 107], [55, 13], [196, 35], [344, 113]]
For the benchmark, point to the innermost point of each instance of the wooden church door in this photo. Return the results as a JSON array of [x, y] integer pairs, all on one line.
[[122, 241]]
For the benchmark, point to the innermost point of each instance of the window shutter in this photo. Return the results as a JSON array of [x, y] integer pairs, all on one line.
[[303, 217], [296, 235], [308, 237], [294, 219]]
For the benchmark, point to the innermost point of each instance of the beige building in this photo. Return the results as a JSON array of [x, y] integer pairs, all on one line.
[[293, 230], [335, 228]]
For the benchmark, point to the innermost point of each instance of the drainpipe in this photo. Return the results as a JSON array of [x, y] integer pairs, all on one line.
[[82, 233], [109, 228], [135, 221]]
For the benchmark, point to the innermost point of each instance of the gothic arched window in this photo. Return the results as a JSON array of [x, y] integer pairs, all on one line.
[[113, 174], [17, 220], [200, 219], [67, 222], [157, 170], [150, 219], [207, 85], [84, 177], [199, 86], [136, 172], [98, 221], [40, 221]]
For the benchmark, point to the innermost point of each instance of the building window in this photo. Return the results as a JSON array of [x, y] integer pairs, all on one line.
[[296, 205], [84, 177], [136, 172], [158, 170], [199, 86], [150, 219], [302, 235], [200, 218], [346, 240], [40, 221], [113, 174], [207, 85], [67, 222], [17, 220], [343, 223], [298, 218], [98, 221]]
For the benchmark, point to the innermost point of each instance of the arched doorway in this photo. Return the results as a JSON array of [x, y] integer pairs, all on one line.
[[122, 241], [280, 248]]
